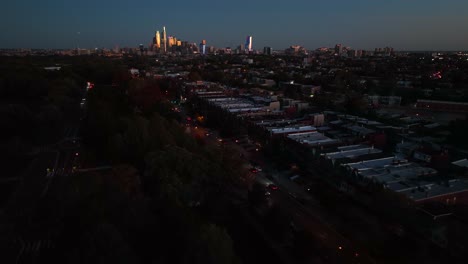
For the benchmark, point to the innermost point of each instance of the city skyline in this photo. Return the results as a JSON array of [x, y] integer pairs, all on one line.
[[362, 24]]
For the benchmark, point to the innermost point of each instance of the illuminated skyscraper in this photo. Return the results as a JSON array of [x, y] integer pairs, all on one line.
[[203, 47], [171, 41], [157, 42], [248, 43], [164, 39]]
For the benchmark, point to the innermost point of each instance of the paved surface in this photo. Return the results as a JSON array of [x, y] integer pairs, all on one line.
[[306, 213]]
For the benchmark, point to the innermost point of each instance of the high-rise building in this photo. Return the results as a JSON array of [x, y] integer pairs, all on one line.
[[248, 43], [338, 49], [359, 53], [351, 53], [164, 39], [211, 49], [170, 41], [203, 47], [157, 41], [267, 50]]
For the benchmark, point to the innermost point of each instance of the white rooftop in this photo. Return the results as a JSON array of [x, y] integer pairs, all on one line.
[[287, 130], [312, 138], [461, 163]]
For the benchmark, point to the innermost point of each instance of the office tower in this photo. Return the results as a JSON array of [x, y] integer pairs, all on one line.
[[169, 41], [248, 43], [338, 49], [157, 42], [241, 48], [203, 47], [164, 39], [388, 51], [267, 50]]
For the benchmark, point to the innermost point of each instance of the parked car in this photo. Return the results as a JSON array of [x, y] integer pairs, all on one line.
[[273, 187]]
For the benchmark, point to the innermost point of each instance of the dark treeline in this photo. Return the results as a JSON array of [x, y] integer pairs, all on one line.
[[166, 197], [36, 104]]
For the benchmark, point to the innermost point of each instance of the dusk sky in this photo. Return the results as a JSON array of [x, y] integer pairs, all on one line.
[[361, 24]]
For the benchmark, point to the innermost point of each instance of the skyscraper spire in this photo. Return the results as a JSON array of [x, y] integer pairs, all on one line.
[[164, 39]]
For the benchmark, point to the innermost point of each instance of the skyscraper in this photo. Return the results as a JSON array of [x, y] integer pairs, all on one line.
[[164, 39], [157, 42], [338, 49], [203, 47], [248, 43], [170, 39]]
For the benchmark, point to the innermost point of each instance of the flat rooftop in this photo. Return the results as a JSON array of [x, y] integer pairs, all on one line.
[[278, 122], [461, 163], [312, 138], [288, 130], [375, 163], [352, 153], [390, 170], [360, 130], [245, 109], [436, 190]]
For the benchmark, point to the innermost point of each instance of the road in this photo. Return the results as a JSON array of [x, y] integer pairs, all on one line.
[[335, 247], [292, 199], [338, 248]]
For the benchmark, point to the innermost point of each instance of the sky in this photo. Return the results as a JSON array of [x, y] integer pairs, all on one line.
[[360, 24]]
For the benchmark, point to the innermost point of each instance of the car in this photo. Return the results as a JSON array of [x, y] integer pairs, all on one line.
[[253, 170], [258, 168], [294, 177], [273, 187]]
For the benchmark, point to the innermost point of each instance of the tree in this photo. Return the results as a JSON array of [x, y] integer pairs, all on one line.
[[213, 246], [194, 76]]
